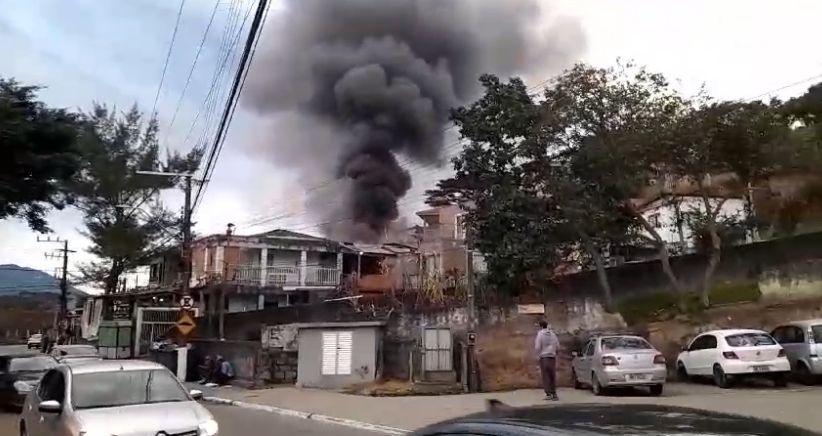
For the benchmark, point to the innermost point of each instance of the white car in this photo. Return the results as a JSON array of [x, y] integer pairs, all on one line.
[[113, 397], [726, 355]]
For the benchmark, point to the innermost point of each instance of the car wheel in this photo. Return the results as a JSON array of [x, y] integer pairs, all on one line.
[[804, 374], [656, 390], [780, 380], [682, 372], [575, 380], [595, 386], [720, 378]]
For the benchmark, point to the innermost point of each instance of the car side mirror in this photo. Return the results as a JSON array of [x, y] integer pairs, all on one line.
[[49, 406], [196, 394]]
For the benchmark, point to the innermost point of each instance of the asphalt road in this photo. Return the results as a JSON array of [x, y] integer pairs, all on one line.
[[235, 421]]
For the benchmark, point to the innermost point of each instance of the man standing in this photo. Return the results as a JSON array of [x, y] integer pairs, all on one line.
[[546, 346]]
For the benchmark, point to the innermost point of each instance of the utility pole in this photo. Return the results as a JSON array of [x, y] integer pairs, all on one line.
[[473, 382], [62, 317], [185, 252]]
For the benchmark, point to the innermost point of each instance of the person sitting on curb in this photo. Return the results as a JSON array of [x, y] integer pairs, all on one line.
[[225, 372]]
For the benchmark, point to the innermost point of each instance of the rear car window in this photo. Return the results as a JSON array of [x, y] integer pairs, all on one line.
[[817, 333], [31, 363], [750, 340], [622, 342]]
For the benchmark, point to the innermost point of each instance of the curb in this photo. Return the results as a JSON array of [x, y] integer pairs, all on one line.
[[306, 415]]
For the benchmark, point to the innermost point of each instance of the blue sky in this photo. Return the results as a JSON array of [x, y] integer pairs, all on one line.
[[113, 52]]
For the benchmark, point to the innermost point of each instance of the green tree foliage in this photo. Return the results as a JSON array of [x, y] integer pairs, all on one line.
[[510, 222], [40, 155], [559, 179], [123, 220]]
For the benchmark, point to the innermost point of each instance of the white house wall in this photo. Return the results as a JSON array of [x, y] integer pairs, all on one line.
[[666, 216]]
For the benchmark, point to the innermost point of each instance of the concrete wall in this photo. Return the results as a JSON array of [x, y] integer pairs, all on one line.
[[782, 264], [363, 358]]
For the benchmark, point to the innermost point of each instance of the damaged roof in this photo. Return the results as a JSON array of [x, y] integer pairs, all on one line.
[[387, 249]]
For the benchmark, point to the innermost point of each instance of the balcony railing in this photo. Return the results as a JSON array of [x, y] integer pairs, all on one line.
[[309, 275]]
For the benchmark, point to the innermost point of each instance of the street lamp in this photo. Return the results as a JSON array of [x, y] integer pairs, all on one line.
[[359, 265]]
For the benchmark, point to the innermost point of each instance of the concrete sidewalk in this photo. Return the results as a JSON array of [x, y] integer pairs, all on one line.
[[788, 405]]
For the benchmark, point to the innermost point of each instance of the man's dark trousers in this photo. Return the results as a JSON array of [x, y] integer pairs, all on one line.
[[548, 368]]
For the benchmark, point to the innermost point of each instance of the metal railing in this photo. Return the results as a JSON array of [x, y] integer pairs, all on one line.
[[276, 275]]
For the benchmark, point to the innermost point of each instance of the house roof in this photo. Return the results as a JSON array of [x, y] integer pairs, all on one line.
[[287, 234]]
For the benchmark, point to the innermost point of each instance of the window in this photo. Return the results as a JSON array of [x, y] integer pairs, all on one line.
[[706, 342], [31, 364], [120, 388], [52, 387], [653, 219], [589, 349], [789, 335], [336, 353], [817, 333], [750, 340], [624, 342]]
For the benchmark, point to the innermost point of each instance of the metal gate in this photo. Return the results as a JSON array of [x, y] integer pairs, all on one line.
[[437, 349], [152, 323]]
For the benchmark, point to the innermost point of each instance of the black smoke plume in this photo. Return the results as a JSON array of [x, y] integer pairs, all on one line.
[[355, 87]]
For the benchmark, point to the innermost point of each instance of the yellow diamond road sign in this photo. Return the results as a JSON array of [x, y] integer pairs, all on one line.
[[185, 324]]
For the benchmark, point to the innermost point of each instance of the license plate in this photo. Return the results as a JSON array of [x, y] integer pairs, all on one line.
[[637, 377], [761, 368]]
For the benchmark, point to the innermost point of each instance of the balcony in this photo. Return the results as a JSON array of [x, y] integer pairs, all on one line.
[[285, 276]]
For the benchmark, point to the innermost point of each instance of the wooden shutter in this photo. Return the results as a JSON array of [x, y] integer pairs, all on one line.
[[344, 347], [329, 365]]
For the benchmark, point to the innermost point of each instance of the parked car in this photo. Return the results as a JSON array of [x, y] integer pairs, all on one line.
[[608, 361], [82, 398], [34, 341], [726, 355], [606, 419], [802, 341], [75, 353], [19, 373]]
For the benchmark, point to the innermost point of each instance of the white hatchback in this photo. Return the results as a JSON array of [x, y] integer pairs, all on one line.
[[725, 355]]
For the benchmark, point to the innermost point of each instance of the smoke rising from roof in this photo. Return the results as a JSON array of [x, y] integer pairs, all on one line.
[[351, 85]]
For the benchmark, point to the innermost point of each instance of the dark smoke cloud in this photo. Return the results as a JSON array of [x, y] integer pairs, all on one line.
[[350, 85]]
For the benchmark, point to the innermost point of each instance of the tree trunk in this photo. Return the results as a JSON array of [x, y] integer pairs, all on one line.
[[602, 275], [662, 249], [714, 252]]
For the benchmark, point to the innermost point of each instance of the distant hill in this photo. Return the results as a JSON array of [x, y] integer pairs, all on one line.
[[18, 280]]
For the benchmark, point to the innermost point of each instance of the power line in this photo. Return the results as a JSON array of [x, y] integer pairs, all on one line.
[[193, 66], [168, 57], [225, 53], [236, 89]]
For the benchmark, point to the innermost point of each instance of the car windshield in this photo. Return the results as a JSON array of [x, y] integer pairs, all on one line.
[[817, 333], [123, 388], [31, 363], [750, 340], [625, 342], [36, 336]]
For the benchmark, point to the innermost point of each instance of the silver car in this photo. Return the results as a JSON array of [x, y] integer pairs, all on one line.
[[802, 341], [114, 397], [610, 361]]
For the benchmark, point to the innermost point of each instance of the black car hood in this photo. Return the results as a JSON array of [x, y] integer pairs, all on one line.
[[612, 419]]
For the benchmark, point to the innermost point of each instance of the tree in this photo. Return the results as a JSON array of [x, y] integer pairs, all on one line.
[[611, 120], [111, 195], [742, 140], [41, 155], [511, 223]]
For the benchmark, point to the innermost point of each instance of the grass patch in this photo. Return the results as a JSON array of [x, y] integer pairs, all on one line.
[[663, 305]]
